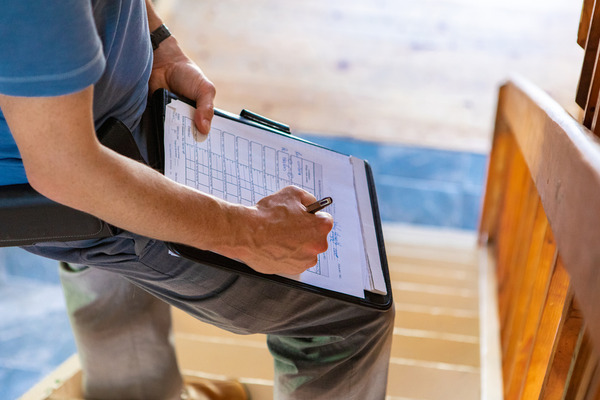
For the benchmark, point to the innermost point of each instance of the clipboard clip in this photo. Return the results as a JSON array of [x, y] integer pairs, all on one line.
[[259, 119]]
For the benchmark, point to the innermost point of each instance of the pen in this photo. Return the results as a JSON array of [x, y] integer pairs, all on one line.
[[319, 205]]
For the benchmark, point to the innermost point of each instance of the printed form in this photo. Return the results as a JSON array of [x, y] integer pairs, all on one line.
[[242, 164]]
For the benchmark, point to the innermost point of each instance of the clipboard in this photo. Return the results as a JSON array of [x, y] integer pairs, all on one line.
[[379, 298]]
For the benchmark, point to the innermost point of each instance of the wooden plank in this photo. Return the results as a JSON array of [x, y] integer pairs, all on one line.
[[557, 301], [527, 308], [437, 323], [545, 267], [517, 190], [595, 125], [584, 22], [444, 349], [583, 369], [564, 355], [524, 239], [496, 179], [432, 275], [415, 296], [593, 389], [512, 188], [589, 59], [64, 381], [564, 160], [222, 357], [419, 380], [589, 111]]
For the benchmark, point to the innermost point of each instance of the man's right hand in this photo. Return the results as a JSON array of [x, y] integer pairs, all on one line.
[[278, 235]]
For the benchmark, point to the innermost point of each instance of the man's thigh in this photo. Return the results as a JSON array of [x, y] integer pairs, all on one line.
[[236, 303]]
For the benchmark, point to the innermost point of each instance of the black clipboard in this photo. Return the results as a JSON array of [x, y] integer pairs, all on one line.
[[160, 99]]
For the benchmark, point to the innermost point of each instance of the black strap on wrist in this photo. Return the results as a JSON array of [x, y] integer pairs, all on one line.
[[158, 35]]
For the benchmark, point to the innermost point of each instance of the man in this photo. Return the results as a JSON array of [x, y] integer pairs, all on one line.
[[66, 67]]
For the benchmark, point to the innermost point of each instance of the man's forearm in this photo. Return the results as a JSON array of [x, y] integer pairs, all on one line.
[[154, 20], [65, 161], [139, 199]]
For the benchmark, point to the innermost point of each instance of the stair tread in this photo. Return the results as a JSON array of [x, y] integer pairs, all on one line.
[[435, 347]]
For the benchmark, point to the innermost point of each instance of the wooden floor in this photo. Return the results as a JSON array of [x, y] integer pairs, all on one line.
[[436, 346], [411, 72]]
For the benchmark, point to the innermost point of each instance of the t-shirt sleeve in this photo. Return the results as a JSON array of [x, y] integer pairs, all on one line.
[[48, 48]]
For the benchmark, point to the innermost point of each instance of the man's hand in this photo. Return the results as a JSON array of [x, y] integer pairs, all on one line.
[[174, 71], [280, 236]]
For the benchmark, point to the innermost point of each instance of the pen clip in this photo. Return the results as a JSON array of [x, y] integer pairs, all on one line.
[[259, 119], [319, 205]]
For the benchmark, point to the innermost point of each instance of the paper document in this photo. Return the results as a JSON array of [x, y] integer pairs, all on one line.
[[242, 164]]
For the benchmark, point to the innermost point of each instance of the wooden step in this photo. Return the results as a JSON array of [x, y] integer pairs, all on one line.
[[64, 383], [434, 276], [423, 257], [436, 345], [442, 360], [414, 379], [438, 322], [429, 297], [221, 356], [434, 324]]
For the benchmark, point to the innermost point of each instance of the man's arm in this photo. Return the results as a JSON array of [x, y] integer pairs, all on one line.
[[65, 162]]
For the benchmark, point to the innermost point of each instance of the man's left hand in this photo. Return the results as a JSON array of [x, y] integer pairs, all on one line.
[[174, 71]]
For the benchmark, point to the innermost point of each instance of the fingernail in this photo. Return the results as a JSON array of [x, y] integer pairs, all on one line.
[[206, 125], [200, 137]]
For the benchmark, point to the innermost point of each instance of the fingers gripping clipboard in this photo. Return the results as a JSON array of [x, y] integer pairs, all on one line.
[[248, 157]]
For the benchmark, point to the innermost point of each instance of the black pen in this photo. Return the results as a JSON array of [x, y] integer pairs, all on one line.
[[319, 205]]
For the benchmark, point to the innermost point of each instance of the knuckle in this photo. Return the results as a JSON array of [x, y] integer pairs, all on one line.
[[323, 246], [326, 222], [294, 189], [310, 263]]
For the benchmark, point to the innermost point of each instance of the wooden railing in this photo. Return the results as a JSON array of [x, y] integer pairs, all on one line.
[[541, 220]]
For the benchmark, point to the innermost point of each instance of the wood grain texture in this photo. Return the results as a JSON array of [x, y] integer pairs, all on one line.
[[412, 72], [582, 372], [542, 223], [564, 160], [593, 389], [589, 60], [518, 268], [591, 105], [584, 22], [565, 355], [553, 317], [496, 179], [539, 291], [536, 275], [515, 190]]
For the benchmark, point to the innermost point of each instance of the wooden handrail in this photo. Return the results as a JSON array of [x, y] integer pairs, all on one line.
[[539, 221], [563, 158]]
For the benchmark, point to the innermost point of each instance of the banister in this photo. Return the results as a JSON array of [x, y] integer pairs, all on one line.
[[563, 158]]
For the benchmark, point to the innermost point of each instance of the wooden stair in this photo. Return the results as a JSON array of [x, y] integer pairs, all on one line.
[[436, 347]]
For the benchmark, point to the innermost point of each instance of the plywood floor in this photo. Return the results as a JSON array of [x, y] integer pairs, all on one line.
[[412, 72]]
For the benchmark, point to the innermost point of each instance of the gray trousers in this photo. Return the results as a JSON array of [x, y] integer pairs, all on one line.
[[323, 348]]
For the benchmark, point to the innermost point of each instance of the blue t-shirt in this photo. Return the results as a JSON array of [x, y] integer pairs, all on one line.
[[51, 48]]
